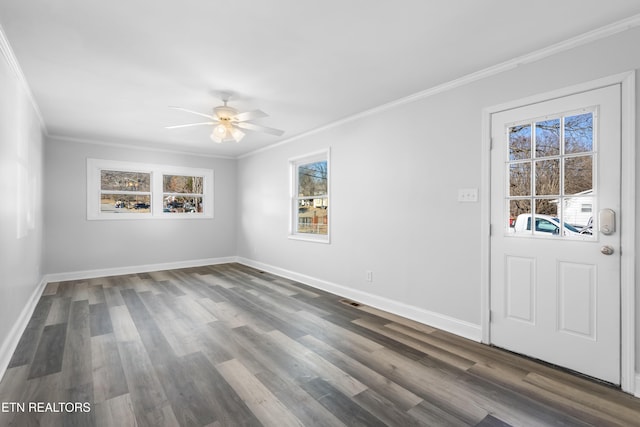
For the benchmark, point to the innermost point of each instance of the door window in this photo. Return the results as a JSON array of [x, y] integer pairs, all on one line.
[[550, 175]]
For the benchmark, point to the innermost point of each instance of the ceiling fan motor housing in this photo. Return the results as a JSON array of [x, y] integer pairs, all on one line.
[[224, 112]]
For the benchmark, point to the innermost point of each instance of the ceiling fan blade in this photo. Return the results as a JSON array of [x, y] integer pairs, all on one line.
[[208, 116], [258, 128], [190, 124], [249, 115]]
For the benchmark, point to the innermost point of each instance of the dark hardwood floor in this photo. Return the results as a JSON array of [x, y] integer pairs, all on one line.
[[228, 345]]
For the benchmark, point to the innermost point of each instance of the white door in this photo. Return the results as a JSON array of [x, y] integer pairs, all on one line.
[[555, 269]]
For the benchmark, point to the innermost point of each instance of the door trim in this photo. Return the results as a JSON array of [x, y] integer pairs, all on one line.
[[627, 214]]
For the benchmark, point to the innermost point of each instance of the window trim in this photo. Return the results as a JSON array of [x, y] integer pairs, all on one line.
[[294, 162], [561, 157], [95, 166]]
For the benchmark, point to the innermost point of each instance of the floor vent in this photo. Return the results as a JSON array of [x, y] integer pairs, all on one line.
[[351, 303]]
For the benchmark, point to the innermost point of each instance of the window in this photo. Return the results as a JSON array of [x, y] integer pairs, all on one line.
[[126, 190], [551, 172], [310, 197], [181, 193]]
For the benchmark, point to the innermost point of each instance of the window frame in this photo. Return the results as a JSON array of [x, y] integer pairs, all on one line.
[[294, 164], [94, 190], [533, 159], [166, 194]]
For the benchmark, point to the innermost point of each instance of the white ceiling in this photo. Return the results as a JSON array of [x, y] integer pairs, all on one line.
[[107, 71]]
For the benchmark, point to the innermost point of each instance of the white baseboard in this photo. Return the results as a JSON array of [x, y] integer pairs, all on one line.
[[134, 269], [440, 321], [636, 391], [8, 347]]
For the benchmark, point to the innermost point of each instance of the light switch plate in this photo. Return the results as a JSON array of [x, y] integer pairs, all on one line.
[[468, 195]]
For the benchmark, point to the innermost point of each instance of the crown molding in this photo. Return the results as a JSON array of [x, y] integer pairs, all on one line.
[[133, 146], [14, 66], [573, 42]]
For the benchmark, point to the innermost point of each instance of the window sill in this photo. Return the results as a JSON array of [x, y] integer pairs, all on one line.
[[310, 238], [146, 217]]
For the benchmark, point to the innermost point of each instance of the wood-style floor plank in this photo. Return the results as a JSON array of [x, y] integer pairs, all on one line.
[[344, 408], [262, 402], [99, 319], [225, 405], [399, 395], [31, 336], [115, 412], [229, 345], [307, 409], [42, 389], [48, 357], [59, 312], [149, 400], [322, 368], [109, 380], [189, 406]]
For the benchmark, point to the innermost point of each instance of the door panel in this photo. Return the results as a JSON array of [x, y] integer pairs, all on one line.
[[555, 293], [577, 287], [520, 288]]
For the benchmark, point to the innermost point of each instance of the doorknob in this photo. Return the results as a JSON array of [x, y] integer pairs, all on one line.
[[607, 250]]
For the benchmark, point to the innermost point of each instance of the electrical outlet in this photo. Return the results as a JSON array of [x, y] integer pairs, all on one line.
[[468, 195], [369, 276]]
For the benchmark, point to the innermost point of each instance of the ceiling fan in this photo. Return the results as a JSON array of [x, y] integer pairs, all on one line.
[[228, 122]]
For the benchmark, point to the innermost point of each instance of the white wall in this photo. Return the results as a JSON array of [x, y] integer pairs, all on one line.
[[395, 177], [20, 205], [73, 244]]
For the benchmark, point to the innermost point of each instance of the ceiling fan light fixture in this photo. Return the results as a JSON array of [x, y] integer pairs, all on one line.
[[216, 138], [220, 130], [237, 134]]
